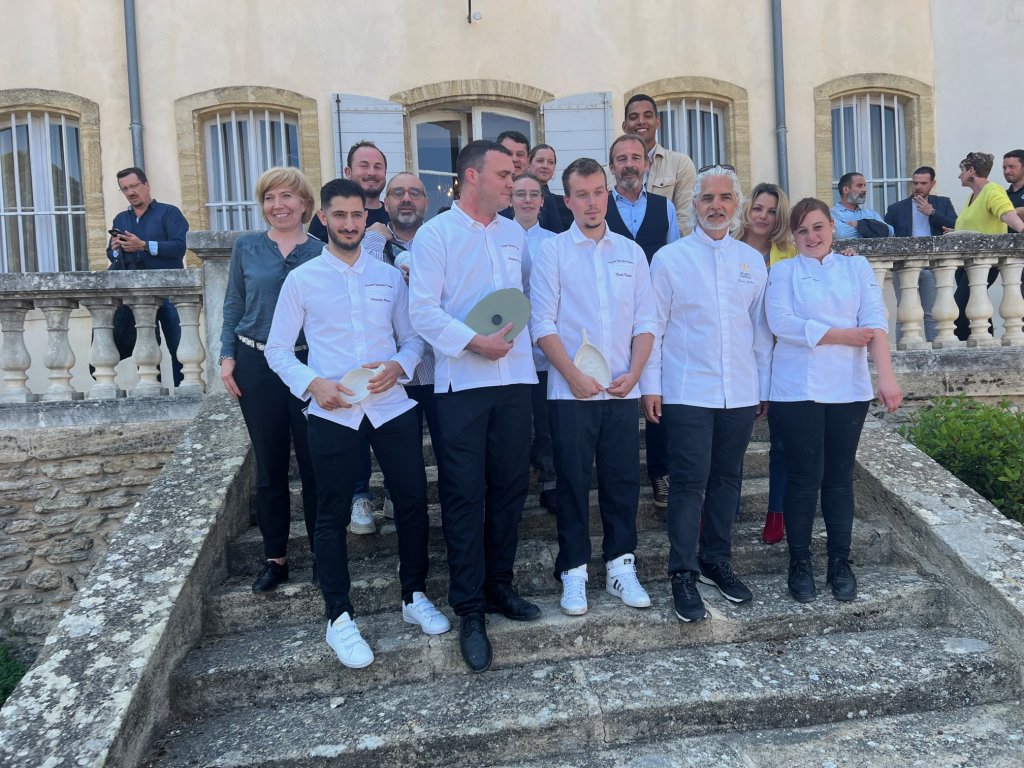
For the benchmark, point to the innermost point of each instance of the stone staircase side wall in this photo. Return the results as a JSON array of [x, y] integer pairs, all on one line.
[[100, 685]]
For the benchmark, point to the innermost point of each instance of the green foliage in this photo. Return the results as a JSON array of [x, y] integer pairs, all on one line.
[[981, 444], [11, 671]]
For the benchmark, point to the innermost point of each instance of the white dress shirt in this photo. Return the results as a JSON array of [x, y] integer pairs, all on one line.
[[713, 348], [602, 286], [351, 316], [806, 298], [457, 261], [535, 235]]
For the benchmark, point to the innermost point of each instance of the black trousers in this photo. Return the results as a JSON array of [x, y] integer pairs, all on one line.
[[485, 450], [705, 458], [541, 451], [820, 442], [426, 408], [656, 440], [398, 446], [609, 430], [275, 422]]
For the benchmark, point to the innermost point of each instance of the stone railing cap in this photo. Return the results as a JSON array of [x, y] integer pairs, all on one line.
[[956, 244]]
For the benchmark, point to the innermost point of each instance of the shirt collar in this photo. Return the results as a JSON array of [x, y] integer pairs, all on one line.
[[709, 241], [826, 263], [469, 221], [579, 238], [358, 267], [616, 196]]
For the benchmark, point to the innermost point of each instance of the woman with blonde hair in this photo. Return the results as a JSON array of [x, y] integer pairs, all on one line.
[[273, 416], [764, 226]]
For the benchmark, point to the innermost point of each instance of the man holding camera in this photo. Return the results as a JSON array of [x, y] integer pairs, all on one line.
[[149, 235]]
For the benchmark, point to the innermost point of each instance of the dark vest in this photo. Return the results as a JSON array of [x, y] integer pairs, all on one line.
[[653, 232]]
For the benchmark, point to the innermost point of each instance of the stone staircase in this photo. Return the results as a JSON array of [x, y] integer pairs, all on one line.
[[898, 677]]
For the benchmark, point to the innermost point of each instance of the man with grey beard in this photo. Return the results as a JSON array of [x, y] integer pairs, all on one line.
[[849, 212]]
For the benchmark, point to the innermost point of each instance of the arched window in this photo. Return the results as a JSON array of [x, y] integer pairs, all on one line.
[[869, 135]]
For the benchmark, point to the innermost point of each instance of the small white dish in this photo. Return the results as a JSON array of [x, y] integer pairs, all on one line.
[[591, 362], [358, 380]]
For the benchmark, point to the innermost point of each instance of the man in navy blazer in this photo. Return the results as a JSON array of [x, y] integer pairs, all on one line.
[[924, 215]]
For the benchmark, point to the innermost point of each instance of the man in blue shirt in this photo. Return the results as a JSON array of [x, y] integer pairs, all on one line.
[[849, 212], [149, 235]]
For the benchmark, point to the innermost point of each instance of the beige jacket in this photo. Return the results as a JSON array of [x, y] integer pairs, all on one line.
[[673, 175]]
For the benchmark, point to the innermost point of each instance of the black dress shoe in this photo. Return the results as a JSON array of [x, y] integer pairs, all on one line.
[[840, 577], [273, 574], [504, 599], [801, 581], [473, 642]]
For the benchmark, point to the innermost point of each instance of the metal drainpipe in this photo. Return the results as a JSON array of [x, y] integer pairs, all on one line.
[[780, 96], [134, 101]]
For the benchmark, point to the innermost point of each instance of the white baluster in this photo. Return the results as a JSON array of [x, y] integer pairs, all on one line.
[[882, 270], [103, 355], [945, 310], [979, 305], [59, 358], [1011, 308], [14, 357], [190, 350], [909, 312], [146, 353]]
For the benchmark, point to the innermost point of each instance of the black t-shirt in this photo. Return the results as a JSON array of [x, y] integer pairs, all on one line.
[[1017, 198], [373, 215]]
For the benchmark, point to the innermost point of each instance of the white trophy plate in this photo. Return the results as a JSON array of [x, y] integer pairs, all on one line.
[[358, 380], [591, 362]]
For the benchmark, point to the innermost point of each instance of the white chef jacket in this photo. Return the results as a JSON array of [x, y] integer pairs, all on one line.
[[805, 298], [713, 348], [456, 262], [350, 315], [535, 235], [602, 286]]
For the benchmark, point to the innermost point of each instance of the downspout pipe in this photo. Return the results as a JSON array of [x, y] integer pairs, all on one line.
[[134, 100], [781, 149]]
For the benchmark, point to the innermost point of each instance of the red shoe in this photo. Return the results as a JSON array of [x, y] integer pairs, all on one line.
[[774, 528]]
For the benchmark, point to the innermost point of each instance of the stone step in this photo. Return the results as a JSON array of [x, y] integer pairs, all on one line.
[[989, 736], [596, 703], [245, 553], [233, 607], [267, 665]]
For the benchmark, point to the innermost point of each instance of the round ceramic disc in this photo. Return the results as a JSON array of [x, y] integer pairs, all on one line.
[[498, 309], [357, 380]]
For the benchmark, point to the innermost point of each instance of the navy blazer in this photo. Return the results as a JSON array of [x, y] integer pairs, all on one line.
[[900, 216]]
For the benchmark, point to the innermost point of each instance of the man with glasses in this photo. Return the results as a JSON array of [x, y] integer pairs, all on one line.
[[149, 235]]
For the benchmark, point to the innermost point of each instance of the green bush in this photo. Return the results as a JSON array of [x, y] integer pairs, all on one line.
[[981, 444], [11, 671]]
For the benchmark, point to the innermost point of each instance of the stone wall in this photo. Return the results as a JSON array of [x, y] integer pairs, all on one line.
[[64, 490]]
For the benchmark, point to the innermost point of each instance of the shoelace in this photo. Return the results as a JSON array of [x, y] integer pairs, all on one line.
[[688, 585], [727, 574], [575, 586], [801, 568], [662, 484]]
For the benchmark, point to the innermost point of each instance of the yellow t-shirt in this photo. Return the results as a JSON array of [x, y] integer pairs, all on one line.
[[780, 254], [984, 213]]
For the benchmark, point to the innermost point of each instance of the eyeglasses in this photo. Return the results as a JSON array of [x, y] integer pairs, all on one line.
[[397, 193], [525, 194], [132, 187], [723, 166]]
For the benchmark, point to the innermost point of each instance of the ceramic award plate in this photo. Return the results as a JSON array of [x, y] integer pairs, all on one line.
[[498, 309], [357, 380], [591, 362]]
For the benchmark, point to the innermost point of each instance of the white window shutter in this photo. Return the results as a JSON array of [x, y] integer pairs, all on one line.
[[578, 126], [363, 118]]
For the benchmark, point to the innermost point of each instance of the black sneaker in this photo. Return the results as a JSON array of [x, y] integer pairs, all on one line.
[[801, 581], [273, 574], [504, 599], [721, 575], [686, 598], [473, 642], [840, 577], [660, 486]]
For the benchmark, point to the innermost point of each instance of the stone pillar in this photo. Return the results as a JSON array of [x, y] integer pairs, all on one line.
[[146, 353], [190, 351], [14, 357], [979, 305], [909, 311], [59, 358], [214, 251], [103, 356], [945, 311], [1011, 308]]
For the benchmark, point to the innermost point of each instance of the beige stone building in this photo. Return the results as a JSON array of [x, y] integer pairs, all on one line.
[[229, 87]]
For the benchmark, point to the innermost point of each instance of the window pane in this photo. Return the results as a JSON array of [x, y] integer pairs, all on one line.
[[844, 155], [437, 145], [493, 124], [440, 191]]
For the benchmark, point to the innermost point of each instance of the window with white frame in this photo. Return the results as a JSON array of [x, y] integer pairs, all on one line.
[[42, 204], [240, 146], [869, 136], [695, 128], [439, 135]]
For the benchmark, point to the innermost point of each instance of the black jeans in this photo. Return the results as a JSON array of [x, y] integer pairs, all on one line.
[[485, 452], [820, 443], [275, 421], [398, 446], [541, 452], [705, 458], [609, 430], [656, 439]]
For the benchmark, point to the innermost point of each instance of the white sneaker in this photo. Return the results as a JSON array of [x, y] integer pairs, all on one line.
[[623, 583], [423, 612], [362, 517], [574, 591], [343, 636], [389, 508]]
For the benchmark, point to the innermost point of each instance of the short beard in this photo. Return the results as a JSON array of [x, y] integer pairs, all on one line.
[[408, 219], [344, 246], [859, 199], [631, 183], [707, 226]]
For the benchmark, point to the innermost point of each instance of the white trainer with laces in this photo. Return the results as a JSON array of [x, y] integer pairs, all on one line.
[[574, 591], [623, 583], [343, 636], [423, 612], [362, 517]]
